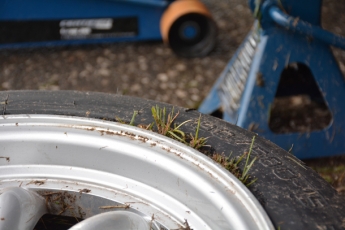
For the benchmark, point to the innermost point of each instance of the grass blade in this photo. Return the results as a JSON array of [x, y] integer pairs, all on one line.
[[135, 113]]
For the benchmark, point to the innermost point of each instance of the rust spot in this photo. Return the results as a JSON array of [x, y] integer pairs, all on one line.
[[2, 218], [260, 103], [295, 21], [152, 219], [260, 80], [142, 138], [186, 226], [87, 113], [49, 193], [253, 126], [107, 132], [36, 182], [125, 206], [58, 203], [80, 212], [85, 190], [16, 124], [130, 135], [168, 150], [7, 158]]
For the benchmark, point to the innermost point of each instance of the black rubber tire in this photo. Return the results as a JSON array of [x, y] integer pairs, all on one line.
[[293, 195], [203, 43]]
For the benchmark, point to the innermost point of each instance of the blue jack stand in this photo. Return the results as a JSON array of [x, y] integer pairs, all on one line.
[[186, 26], [285, 55]]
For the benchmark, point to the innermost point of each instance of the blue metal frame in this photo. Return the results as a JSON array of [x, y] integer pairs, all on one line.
[[286, 39], [148, 13]]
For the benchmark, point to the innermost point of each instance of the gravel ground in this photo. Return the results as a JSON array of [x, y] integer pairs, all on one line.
[[148, 70]]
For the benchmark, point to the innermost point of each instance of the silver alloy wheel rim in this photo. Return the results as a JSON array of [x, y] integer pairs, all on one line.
[[127, 167]]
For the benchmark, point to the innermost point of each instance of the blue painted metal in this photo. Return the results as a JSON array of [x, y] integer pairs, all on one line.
[[190, 32], [147, 12], [161, 3], [283, 40], [295, 24]]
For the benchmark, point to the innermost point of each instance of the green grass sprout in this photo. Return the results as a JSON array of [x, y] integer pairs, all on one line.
[[231, 164], [164, 124], [135, 113], [195, 141]]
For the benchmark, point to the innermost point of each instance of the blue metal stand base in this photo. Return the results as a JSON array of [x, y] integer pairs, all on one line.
[[249, 85], [67, 22]]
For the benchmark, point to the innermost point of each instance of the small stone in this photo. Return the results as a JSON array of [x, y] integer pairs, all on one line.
[[194, 91], [57, 64], [54, 78], [104, 82], [152, 92], [7, 71], [104, 72], [142, 59], [172, 85], [163, 86], [135, 88], [193, 83], [88, 67], [28, 62], [300, 100], [342, 67], [199, 78], [180, 93], [145, 80], [172, 73], [338, 30], [107, 52], [195, 97], [6, 85], [162, 77], [84, 73], [165, 98], [222, 24], [143, 66], [124, 78], [239, 8], [159, 51], [73, 75], [53, 87], [122, 57], [181, 67]]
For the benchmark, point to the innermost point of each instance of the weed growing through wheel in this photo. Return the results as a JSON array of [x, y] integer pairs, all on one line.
[[135, 113], [164, 123], [231, 164], [197, 142]]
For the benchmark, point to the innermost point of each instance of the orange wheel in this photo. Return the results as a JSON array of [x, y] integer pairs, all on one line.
[[187, 26]]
